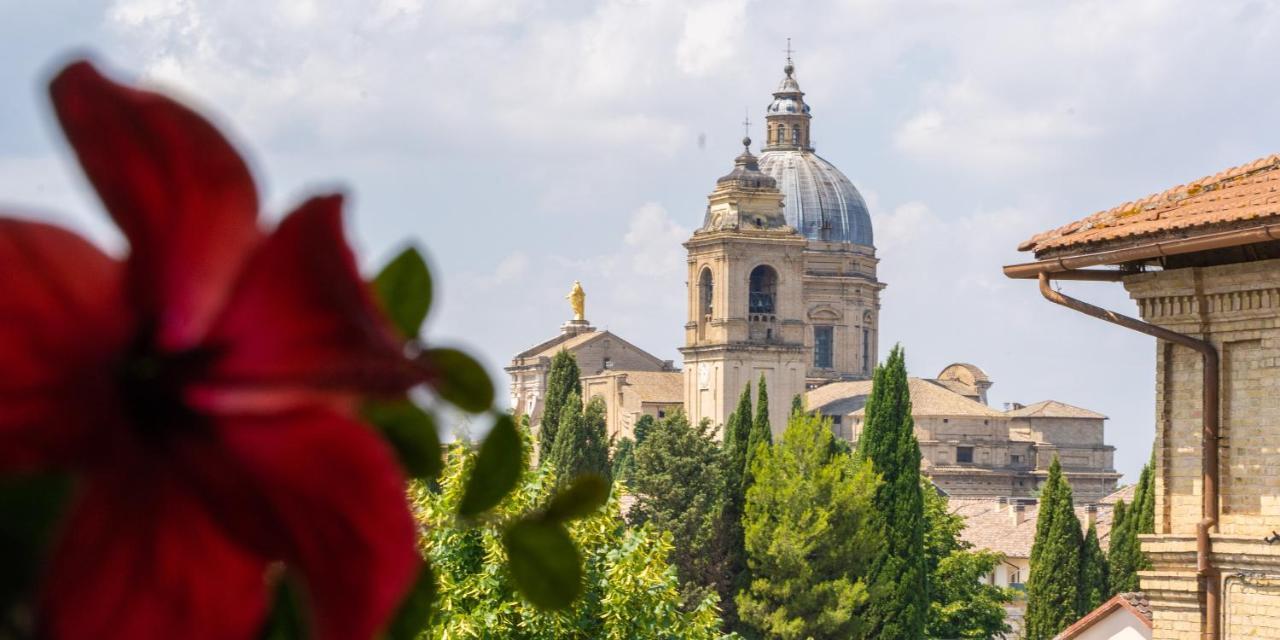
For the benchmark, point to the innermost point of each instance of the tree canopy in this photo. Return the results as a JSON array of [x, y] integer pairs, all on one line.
[[563, 378], [810, 538], [1053, 588], [581, 445]]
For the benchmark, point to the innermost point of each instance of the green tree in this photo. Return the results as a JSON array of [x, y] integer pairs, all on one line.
[[563, 378], [737, 433], [644, 425], [1124, 556], [1144, 501], [623, 463], [1094, 589], [761, 431], [810, 537], [888, 441], [631, 590], [961, 603], [797, 403], [677, 484], [1053, 588], [581, 445]]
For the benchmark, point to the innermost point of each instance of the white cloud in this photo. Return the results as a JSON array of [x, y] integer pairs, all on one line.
[[712, 35]]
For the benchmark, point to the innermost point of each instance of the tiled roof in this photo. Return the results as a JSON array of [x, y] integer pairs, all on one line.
[[569, 345], [1243, 194], [989, 525], [928, 398], [1053, 409], [657, 386], [1135, 602], [1125, 493]]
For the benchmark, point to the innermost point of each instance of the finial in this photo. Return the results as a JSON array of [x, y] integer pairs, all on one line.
[[791, 67], [577, 301], [746, 130]]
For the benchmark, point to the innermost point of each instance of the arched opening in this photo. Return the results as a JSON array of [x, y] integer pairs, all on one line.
[[866, 343], [706, 289], [795, 134], [763, 289], [781, 135]]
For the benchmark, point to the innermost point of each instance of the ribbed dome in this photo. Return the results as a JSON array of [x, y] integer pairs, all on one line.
[[818, 200]]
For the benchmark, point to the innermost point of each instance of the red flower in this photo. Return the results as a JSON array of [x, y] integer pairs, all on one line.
[[201, 390]]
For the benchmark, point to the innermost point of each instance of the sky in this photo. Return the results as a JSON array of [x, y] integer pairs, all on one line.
[[525, 144]]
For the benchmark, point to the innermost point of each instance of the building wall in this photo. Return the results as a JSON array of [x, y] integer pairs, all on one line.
[[1237, 308], [840, 290]]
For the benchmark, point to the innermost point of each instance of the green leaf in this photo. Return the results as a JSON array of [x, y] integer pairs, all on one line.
[[415, 611], [544, 562], [287, 619], [460, 379], [496, 471], [586, 495], [413, 434], [403, 288]]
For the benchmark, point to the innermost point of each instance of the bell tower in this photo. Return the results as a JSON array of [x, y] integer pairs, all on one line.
[[745, 303]]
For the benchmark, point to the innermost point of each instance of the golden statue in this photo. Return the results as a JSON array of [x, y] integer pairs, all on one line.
[[578, 300]]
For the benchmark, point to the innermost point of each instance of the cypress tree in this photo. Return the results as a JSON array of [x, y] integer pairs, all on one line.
[[1093, 573], [1144, 500], [797, 404], [581, 446], [1124, 557], [644, 425], [563, 378], [737, 435], [898, 577], [1053, 589], [760, 429]]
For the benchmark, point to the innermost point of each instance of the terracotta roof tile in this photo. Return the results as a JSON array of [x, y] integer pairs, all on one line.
[[1237, 195], [657, 386], [928, 398], [989, 525]]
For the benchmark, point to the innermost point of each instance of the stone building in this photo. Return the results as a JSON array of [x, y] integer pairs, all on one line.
[[1202, 262], [782, 274], [605, 361], [971, 449]]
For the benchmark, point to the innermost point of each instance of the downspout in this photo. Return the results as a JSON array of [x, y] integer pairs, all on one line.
[[1209, 438]]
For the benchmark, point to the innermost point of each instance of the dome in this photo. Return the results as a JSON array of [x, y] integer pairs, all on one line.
[[819, 201]]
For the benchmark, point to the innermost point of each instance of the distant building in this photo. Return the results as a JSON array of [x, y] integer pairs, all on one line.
[[1127, 616], [970, 449], [1008, 526], [1202, 261]]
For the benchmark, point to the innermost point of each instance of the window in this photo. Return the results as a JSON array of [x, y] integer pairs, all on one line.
[[964, 455], [706, 288], [837, 419], [1015, 459], [763, 287], [795, 135], [866, 349], [823, 339], [608, 363], [662, 413]]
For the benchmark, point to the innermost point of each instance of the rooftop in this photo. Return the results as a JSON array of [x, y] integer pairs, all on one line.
[[1134, 602], [989, 524], [928, 398], [1053, 409], [1247, 195]]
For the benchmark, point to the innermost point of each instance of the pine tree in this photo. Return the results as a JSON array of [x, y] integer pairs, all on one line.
[[1094, 588], [581, 445], [563, 378], [644, 425], [1053, 589], [761, 431], [810, 538], [898, 578], [677, 484]]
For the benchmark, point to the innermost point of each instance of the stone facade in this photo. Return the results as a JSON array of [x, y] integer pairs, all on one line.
[[630, 394], [970, 449], [597, 352], [1236, 307]]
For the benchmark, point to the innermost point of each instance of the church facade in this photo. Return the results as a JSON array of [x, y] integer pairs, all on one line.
[[782, 274]]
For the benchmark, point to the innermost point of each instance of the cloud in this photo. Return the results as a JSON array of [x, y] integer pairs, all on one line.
[[712, 35]]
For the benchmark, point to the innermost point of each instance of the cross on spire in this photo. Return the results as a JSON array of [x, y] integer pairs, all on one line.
[[789, 51], [746, 128]]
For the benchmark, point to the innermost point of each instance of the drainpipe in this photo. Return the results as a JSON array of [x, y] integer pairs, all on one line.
[[1209, 438]]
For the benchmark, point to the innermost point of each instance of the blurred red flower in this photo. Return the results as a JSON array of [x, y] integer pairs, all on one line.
[[202, 390]]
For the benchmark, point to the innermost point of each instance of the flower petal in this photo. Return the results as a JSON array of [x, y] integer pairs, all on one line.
[[141, 557], [61, 322], [182, 195], [302, 318], [338, 512]]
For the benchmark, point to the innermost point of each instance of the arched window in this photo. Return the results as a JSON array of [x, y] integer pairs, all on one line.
[[706, 288], [782, 134], [866, 342], [795, 134], [763, 289]]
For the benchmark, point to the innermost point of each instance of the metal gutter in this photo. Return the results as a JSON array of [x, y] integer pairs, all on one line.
[[1209, 437], [1150, 251]]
